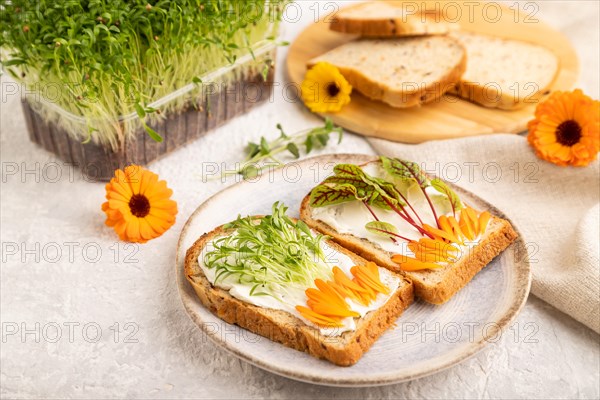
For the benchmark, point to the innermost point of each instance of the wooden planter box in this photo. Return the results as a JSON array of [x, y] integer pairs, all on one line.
[[98, 163]]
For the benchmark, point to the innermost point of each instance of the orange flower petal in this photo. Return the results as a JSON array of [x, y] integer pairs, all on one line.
[[162, 214], [114, 195], [342, 279], [147, 181], [159, 225], [121, 228], [146, 230], [369, 279], [318, 318], [134, 177], [484, 219], [119, 187], [133, 229], [164, 204], [158, 189], [118, 204]]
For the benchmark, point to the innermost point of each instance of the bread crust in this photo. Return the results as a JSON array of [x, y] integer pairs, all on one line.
[[404, 99], [454, 277], [409, 25], [285, 328], [492, 97]]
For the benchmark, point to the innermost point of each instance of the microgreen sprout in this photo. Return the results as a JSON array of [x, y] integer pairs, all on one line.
[[270, 253], [102, 59], [351, 183]]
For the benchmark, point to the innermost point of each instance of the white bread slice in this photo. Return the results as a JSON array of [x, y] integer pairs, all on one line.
[[381, 19], [503, 73], [287, 329], [400, 72], [433, 286]]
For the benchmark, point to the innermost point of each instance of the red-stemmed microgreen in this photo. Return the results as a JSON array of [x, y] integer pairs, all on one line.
[[453, 198], [382, 228], [409, 171], [373, 191], [351, 183]]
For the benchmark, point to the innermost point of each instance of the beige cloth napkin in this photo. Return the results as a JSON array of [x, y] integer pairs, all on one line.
[[555, 208]]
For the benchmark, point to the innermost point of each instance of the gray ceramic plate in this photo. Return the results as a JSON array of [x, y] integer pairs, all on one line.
[[426, 339]]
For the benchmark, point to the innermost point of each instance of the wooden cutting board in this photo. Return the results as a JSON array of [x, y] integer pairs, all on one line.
[[450, 117]]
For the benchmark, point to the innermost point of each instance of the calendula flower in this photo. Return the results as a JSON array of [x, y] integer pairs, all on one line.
[[324, 89], [139, 206], [566, 129]]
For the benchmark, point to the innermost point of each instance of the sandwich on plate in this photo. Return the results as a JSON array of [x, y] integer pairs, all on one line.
[[370, 237], [391, 213], [278, 278]]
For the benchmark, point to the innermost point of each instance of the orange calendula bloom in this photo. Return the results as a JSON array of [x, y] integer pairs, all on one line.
[[139, 206], [324, 89], [566, 129]]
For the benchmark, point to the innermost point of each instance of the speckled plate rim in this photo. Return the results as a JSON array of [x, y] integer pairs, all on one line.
[[188, 299]]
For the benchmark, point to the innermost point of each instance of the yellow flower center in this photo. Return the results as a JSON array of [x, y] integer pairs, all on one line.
[[333, 89], [568, 133], [139, 205]]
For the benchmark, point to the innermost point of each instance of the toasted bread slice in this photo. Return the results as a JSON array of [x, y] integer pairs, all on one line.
[[503, 73], [381, 19], [400, 72], [285, 328], [433, 286]]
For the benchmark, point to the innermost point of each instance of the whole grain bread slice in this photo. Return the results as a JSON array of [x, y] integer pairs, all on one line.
[[504, 73], [433, 286], [285, 328], [381, 19], [400, 72]]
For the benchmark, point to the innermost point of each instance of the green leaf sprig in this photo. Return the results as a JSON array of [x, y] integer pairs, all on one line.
[[270, 253], [264, 154]]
